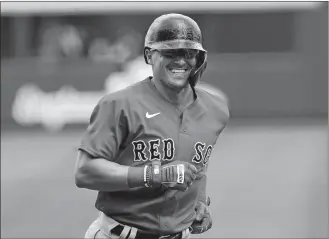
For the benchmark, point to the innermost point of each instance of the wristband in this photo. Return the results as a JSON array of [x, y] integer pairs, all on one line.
[[156, 173], [149, 176], [180, 173], [145, 176]]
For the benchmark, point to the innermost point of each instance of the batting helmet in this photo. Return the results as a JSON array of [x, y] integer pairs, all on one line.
[[177, 31]]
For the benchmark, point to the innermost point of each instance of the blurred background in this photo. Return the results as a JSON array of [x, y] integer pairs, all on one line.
[[268, 173]]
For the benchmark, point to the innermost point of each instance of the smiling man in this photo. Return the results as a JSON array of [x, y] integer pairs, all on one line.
[[147, 147]]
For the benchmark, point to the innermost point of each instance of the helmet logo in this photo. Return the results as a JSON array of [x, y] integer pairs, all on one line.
[[182, 30]]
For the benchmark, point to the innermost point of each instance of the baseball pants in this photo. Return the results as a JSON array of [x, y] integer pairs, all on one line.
[[102, 226]]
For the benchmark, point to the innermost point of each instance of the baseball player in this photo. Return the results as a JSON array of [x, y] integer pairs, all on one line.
[[147, 147]]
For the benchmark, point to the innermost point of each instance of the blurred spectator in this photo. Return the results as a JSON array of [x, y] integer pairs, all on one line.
[[58, 41], [99, 48], [71, 42], [125, 48], [49, 47]]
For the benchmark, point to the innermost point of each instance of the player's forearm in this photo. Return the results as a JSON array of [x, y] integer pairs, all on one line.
[[202, 194], [102, 175]]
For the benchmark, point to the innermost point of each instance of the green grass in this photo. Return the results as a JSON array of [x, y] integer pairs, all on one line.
[[265, 180]]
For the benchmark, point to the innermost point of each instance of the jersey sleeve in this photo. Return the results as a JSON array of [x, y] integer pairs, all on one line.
[[222, 113], [106, 130]]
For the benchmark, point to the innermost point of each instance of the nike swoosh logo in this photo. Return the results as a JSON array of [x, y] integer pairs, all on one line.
[[152, 115]]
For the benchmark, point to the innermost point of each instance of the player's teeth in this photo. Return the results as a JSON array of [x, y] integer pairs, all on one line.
[[178, 71]]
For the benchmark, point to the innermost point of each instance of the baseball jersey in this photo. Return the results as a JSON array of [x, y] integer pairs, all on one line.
[[137, 125]]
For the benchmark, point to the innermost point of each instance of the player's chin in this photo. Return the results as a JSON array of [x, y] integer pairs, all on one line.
[[179, 81], [178, 84]]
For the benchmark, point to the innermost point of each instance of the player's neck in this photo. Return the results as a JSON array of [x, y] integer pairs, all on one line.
[[181, 99]]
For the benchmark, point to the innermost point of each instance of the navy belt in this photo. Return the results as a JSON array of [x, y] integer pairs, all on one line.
[[142, 235]]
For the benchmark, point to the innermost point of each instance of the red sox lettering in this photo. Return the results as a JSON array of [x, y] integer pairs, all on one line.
[[202, 153], [168, 149], [199, 149]]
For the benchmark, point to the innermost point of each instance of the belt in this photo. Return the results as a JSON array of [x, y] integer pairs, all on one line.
[[142, 235], [111, 227]]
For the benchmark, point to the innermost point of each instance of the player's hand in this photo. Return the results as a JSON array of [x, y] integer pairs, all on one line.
[[179, 175], [203, 220], [200, 209], [202, 226]]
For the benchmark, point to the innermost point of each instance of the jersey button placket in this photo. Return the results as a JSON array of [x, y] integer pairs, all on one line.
[[181, 124]]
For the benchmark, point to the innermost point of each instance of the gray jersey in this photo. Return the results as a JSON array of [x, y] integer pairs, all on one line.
[[137, 125]]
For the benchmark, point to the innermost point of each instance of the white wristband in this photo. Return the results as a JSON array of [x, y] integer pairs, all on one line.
[[180, 173], [145, 179]]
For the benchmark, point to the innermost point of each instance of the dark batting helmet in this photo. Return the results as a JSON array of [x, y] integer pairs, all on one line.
[[177, 31]]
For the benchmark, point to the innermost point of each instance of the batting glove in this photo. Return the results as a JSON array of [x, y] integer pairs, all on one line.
[[177, 175], [203, 220]]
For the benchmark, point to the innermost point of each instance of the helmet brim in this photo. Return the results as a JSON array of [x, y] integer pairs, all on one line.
[[176, 44]]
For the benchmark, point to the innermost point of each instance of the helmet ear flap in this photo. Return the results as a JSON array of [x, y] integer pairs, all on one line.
[[201, 58], [201, 62], [201, 66]]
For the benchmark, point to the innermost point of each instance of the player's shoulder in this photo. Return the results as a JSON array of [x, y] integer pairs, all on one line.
[[214, 101], [128, 94]]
